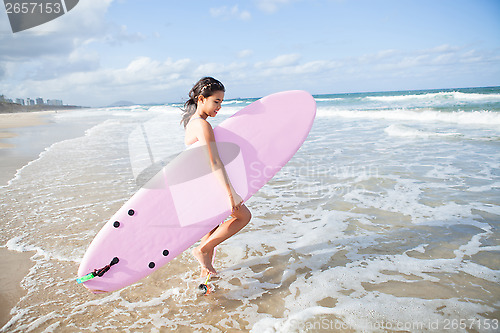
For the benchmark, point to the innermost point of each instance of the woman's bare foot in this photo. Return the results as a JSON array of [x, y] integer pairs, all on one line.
[[205, 260], [204, 272]]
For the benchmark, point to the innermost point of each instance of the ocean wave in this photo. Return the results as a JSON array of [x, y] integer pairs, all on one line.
[[455, 96], [166, 108], [237, 101], [483, 118], [409, 132], [324, 99], [81, 113]]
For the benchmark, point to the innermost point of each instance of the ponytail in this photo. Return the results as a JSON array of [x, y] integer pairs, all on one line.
[[188, 111]]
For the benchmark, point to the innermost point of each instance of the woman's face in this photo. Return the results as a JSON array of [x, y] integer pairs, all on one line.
[[212, 104]]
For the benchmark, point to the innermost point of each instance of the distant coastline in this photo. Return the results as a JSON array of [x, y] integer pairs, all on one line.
[[6, 107]]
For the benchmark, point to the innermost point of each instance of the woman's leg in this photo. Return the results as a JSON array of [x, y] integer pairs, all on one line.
[[204, 271], [204, 252]]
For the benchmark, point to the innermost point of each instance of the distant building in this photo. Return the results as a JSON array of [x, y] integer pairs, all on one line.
[[54, 102], [30, 102]]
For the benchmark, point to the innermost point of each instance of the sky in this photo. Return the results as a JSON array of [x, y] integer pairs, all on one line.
[[153, 51]]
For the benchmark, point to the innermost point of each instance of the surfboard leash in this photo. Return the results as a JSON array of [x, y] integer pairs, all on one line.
[[205, 287], [98, 272]]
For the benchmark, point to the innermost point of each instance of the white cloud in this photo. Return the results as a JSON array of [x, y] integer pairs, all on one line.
[[280, 61], [31, 60], [145, 79], [228, 13], [84, 25], [245, 53], [78, 61], [271, 6], [145, 72], [443, 55], [120, 34], [220, 69], [60, 37], [381, 55], [445, 48], [143, 76]]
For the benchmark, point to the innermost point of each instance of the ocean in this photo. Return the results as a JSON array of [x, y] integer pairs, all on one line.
[[386, 220]]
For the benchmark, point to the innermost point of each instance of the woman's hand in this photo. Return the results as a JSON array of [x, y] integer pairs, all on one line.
[[236, 201]]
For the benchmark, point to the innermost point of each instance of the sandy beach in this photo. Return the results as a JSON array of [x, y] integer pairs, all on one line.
[[16, 126], [9, 121], [13, 265], [13, 268]]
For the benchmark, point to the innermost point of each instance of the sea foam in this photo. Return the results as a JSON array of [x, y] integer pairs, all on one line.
[[409, 132], [453, 96], [483, 118]]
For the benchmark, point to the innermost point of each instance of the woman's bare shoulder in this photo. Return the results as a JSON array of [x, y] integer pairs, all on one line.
[[199, 130], [198, 124]]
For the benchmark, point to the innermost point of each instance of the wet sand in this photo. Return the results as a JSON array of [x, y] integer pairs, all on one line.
[[14, 266], [13, 125], [9, 121]]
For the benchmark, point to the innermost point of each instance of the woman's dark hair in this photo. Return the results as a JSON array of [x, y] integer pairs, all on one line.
[[206, 87]]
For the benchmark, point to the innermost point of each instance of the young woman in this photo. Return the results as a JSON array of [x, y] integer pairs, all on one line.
[[205, 99]]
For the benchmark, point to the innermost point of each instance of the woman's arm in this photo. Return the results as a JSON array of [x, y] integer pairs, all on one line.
[[205, 135]]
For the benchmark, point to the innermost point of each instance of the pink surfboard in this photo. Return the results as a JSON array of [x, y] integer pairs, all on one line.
[[184, 201]]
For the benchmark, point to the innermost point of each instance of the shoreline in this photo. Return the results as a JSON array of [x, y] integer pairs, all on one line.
[[17, 126], [14, 266], [6, 107], [9, 121]]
